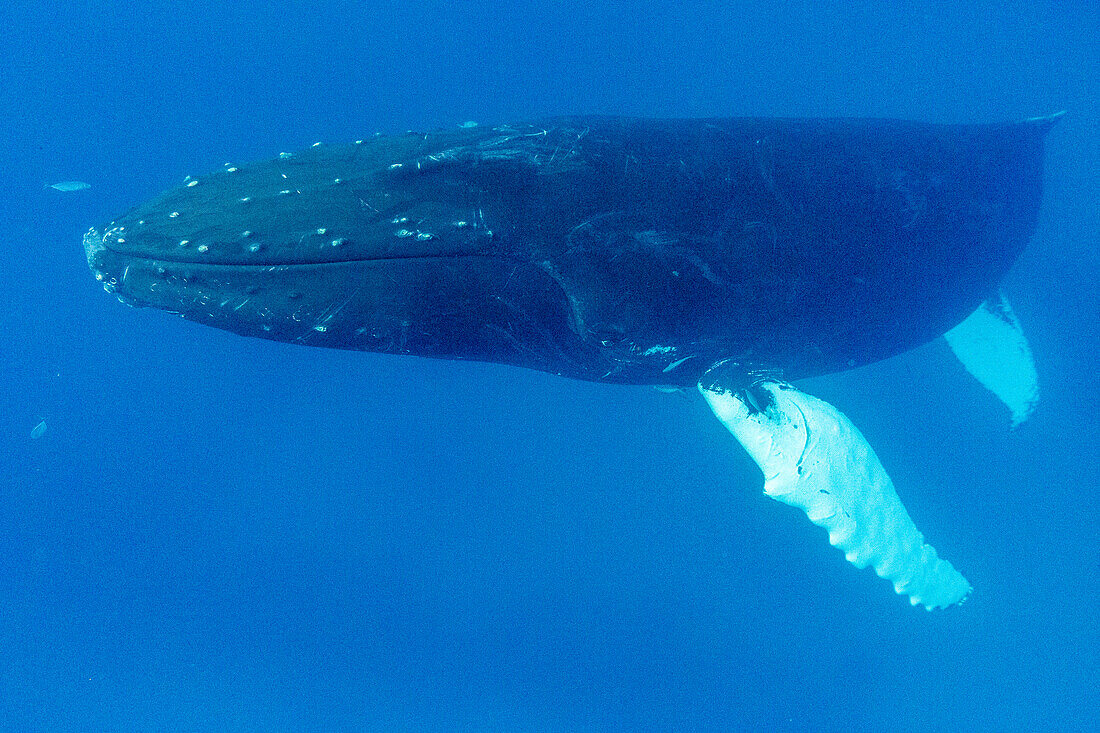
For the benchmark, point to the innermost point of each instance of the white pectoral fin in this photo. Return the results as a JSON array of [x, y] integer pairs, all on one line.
[[814, 458], [992, 347]]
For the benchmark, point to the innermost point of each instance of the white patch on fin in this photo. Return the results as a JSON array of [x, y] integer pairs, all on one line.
[[992, 347], [815, 459]]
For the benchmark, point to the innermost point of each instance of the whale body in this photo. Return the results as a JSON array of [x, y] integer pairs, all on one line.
[[607, 249], [733, 254]]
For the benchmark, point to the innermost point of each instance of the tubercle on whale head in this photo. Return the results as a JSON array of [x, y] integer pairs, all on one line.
[[325, 204]]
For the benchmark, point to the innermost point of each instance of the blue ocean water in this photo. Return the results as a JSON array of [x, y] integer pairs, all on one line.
[[217, 533]]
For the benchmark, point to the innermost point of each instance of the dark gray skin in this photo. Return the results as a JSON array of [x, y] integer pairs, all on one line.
[[607, 249]]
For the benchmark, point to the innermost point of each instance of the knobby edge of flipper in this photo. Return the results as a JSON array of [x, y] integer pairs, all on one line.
[[814, 458]]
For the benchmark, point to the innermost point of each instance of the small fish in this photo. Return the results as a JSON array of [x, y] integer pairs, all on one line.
[[39, 429], [69, 186], [670, 389]]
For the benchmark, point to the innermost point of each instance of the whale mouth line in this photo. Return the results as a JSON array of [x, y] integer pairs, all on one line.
[[285, 264], [95, 245]]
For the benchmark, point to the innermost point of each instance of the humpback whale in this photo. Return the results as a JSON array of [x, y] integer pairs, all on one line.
[[729, 255]]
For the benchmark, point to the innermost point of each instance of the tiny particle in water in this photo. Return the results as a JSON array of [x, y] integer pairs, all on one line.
[[185, 242], [192, 183], [173, 215], [424, 236], [284, 156], [203, 248], [246, 199], [395, 166], [231, 170], [468, 124], [39, 429], [403, 233], [69, 186], [255, 247], [321, 230]]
